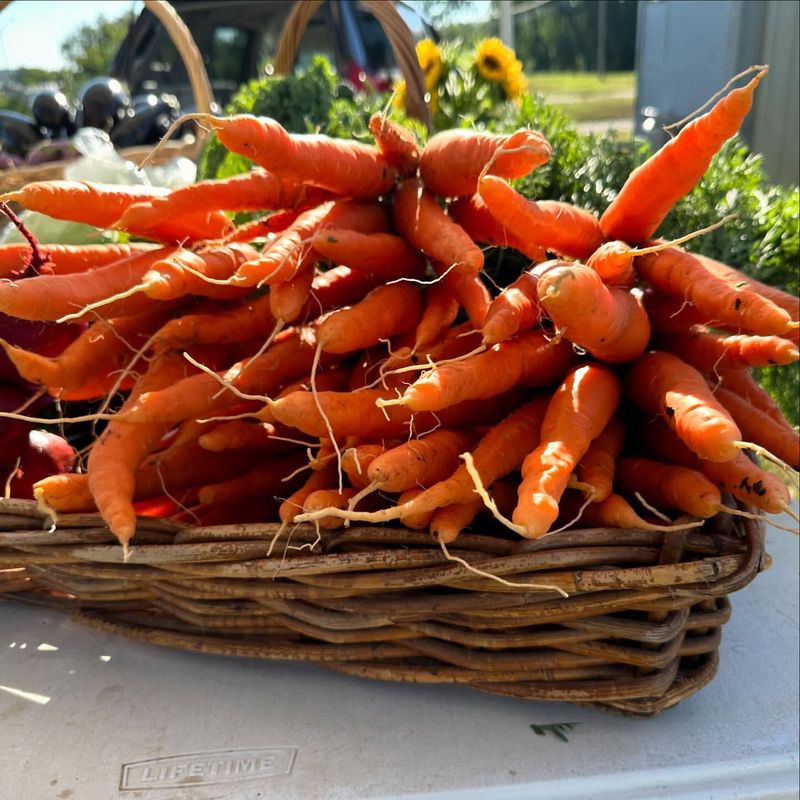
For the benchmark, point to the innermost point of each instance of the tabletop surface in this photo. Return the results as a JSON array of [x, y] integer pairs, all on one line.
[[81, 710]]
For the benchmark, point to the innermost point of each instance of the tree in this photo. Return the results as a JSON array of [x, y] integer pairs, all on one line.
[[88, 52]]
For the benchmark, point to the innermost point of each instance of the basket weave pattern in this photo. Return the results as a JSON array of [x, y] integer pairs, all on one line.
[[639, 632]]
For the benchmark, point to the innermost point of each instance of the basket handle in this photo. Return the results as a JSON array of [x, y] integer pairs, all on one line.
[[396, 30], [187, 49]]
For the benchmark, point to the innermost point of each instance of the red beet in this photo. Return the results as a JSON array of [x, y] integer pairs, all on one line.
[[45, 454]]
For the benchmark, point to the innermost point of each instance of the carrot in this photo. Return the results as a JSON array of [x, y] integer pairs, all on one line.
[[419, 462], [295, 503], [397, 144], [469, 290], [356, 461], [615, 512], [779, 438], [738, 280], [501, 450], [51, 297], [669, 486], [560, 227], [240, 322], [383, 313], [529, 360], [323, 499], [344, 167], [101, 205], [250, 191], [660, 383], [607, 322], [289, 298], [441, 309], [684, 275], [448, 522], [475, 218], [335, 288], [421, 221], [64, 259], [742, 383], [281, 260], [414, 521], [185, 273], [266, 480], [652, 189], [241, 434], [668, 314], [383, 256], [329, 380], [267, 226], [120, 449], [613, 262], [709, 352], [595, 471], [511, 155], [578, 412], [355, 414], [99, 351], [516, 308]]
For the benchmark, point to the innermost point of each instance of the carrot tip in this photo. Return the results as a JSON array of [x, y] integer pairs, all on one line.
[[397, 401]]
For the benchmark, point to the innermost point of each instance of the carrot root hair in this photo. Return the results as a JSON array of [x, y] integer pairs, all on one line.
[[763, 518], [480, 490], [321, 410]]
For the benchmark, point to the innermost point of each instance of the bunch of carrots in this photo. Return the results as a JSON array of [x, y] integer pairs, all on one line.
[[341, 356]]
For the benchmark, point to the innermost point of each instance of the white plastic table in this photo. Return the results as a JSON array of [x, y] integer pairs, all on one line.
[[78, 705]]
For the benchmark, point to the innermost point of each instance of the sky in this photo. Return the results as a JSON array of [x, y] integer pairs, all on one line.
[[31, 31]]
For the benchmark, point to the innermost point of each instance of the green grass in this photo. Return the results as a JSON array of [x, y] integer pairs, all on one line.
[[582, 83]]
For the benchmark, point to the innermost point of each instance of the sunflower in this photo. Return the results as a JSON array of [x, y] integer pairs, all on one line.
[[515, 84], [493, 59], [399, 96], [430, 59]]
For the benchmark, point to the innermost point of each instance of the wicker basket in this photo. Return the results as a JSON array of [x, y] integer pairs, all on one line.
[[639, 632], [11, 179]]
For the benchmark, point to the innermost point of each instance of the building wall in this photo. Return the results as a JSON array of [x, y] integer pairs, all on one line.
[[688, 49]]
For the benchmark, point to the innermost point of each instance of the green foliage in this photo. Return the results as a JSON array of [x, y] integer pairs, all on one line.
[[11, 101], [89, 51]]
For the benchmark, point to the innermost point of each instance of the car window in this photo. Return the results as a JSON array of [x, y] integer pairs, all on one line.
[[228, 55], [377, 49]]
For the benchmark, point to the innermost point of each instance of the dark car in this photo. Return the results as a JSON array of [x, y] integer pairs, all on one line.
[[238, 38]]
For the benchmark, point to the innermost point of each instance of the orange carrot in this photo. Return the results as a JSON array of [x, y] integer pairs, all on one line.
[[596, 469], [448, 522], [295, 503], [419, 462], [421, 221], [397, 144], [475, 218], [64, 259], [710, 352], [120, 449], [383, 256], [356, 461], [99, 351], [344, 167], [661, 383], [413, 520], [530, 360], [469, 290], [788, 302], [613, 262], [282, 259], [669, 486], [780, 438], [511, 155], [50, 297], [250, 191], [670, 314], [742, 383], [102, 205], [322, 499], [684, 275], [355, 414], [653, 188], [383, 313], [616, 512], [578, 412], [562, 228], [289, 298], [247, 319], [607, 322], [335, 288], [516, 308], [441, 309]]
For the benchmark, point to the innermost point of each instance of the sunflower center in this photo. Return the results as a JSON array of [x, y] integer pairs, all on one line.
[[491, 62]]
